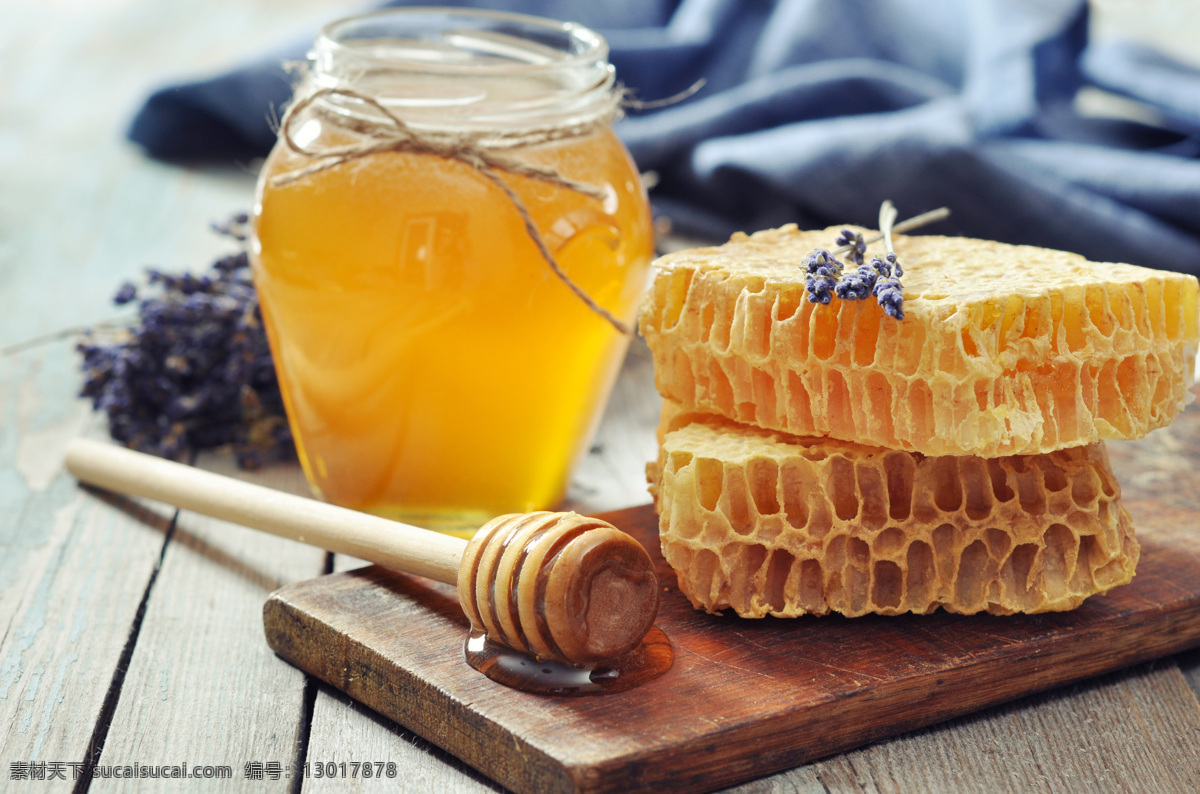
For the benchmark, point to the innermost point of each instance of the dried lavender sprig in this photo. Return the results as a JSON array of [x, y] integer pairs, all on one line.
[[819, 259], [235, 226], [126, 294], [888, 290], [854, 245], [823, 271], [890, 295], [912, 223], [859, 284], [880, 278], [194, 371]]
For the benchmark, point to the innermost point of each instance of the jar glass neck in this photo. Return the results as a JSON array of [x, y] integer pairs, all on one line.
[[465, 70]]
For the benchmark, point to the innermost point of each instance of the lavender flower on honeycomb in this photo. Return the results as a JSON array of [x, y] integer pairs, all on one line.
[[863, 283], [859, 284], [855, 245], [880, 278], [194, 372], [889, 292], [888, 266], [823, 271]]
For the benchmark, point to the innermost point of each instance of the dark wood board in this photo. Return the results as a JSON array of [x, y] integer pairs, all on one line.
[[745, 698]]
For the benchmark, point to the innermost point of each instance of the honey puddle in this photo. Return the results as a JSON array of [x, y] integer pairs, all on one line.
[[653, 657]]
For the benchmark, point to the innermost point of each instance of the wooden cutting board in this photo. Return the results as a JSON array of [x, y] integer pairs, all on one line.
[[744, 698]]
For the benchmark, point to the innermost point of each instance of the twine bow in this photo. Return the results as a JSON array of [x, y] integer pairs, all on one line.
[[391, 134]]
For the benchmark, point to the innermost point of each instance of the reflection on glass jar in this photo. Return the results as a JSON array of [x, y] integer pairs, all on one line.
[[434, 367]]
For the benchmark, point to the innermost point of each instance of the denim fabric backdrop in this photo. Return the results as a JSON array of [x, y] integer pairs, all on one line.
[[814, 111]]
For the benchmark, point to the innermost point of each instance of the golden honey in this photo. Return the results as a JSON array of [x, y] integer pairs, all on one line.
[[433, 367]]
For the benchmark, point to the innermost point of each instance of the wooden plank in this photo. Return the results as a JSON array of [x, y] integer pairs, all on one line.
[[1128, 731], [1161, 470], [343, 730], [202, 685], [346, 731], [73, 571]]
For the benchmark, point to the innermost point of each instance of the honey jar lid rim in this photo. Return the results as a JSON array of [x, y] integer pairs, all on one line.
[[452, 69], [594, 47]]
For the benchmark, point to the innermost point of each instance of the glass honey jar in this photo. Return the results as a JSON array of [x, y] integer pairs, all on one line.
[[447, 235]]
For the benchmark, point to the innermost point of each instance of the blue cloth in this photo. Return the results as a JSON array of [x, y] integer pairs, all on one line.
[[814, 111]]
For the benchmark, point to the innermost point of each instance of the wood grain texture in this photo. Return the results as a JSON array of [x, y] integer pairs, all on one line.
[[200, 681], [344, 730], [73, 569], [1109, 734]]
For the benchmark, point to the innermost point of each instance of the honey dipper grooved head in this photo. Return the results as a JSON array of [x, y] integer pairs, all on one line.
[[559, 585]]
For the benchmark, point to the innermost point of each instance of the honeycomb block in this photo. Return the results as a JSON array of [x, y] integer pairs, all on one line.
[[766, 524], [1004, 349]]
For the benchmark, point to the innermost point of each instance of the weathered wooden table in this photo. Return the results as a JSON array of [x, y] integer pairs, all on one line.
[[132, 634]]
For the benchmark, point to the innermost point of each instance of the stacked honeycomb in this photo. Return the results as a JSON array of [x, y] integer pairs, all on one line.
[[829, 458], [768, 524]]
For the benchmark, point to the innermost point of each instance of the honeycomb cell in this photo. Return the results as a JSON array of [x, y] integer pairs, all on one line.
[[888, 543], [778, 574], [899, 468], [887, 584], [843, 489], [737, 502], [921, 576], [763, 476], [709, 482], [810, 597], [872, 498]]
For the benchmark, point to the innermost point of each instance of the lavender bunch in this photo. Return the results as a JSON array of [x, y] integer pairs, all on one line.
[[823, 273], [858, 284], [879, 279], [194, 372]]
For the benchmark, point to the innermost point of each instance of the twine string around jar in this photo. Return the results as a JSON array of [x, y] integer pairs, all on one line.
[[392, 134]]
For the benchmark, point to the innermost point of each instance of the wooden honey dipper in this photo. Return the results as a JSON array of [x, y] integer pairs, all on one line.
[[555, 585]]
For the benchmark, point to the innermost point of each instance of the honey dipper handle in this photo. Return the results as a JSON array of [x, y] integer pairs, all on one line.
[[389, 543]]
